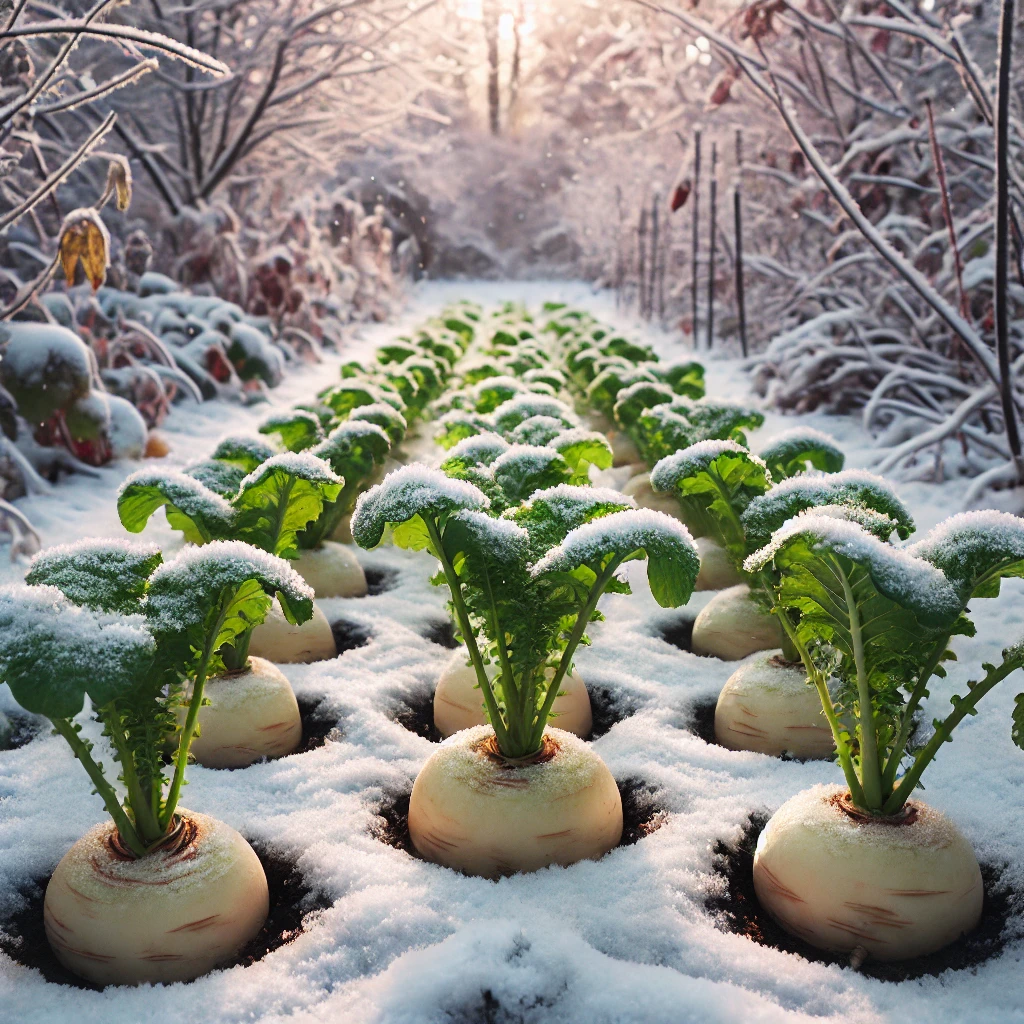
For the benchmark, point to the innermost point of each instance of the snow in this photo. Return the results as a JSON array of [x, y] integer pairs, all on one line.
[[481, 449], [625, 940], [909, 581], [304, 465], [692, 460], [407, 492], [510, 414], [499, 538], [537, 430]]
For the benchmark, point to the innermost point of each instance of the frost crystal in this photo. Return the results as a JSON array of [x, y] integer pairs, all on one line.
[[908, 580], [410, 491], [500, 539], [481, 449], [510, 414], [766, 513], [300, 464], [245, 450], [974, 545], [537, 430], [695, 459]]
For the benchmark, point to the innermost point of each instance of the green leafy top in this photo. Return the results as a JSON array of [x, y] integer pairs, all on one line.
[[223, 478], [491, 392], [718, 421], [524, 469], [244, 451], [672, 560], [581, 449], [510, 414], [802, 448], [53, 652], [660, 432], [634, 399], [281, 497], [975, 550], [297, 430], [479, 450], [410, 493], [385, 416], [192, 508], [685, 378], [604, 389], [537, 430], [106, 575], [856, 487]]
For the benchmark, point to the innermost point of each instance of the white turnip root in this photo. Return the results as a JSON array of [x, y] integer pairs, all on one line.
[[169, 916], [252, 714], [732, 626], [332, 570], [624, 449], [898, 887], [459, 703], [276, 639], [716, 570], [476, 812], [639, 488], [343, 531], [768, 706]]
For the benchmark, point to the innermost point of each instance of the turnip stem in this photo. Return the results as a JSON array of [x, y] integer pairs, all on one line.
[[462, 614], [582, 619], [146, 823], [870, 770], [106, 792], [962, 707], [820, 684]]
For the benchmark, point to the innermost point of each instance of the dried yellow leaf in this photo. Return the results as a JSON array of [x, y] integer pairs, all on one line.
[[84, 237], [119, 181]]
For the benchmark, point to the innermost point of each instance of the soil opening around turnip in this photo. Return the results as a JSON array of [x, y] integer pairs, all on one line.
[[415, 712], [736, 909], [294, 903], [349, 635], [379, 580], [677, 631], [642, 815], [24, 729]]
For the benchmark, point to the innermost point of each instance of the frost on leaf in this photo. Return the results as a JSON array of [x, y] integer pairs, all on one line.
[[481, 537], [537, 430], [479, 450], [457, 425], [510, 414], [192, 508], [661, 431], [53, 652], [354, 448], [631, 401], [385, 416], [281, 497], [672, 560], [975, 550], [297, 430], [108, 575], [349, 395], [854, 487], [223, 478], [582, 448], [549, 515], [491, 392], [604, 389], [718, 421], [802, 448], [524, 469], [411, 492], [685, 378], [898, 575], [208, 596], [244, 450]]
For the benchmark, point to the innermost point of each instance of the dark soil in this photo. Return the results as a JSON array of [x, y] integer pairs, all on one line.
[[738, 911], [441, 632], [25, 728], [417, 713], [678, 632], [292, 899], [380, 581], [641, 815], [318, 722], [349, 635], [702, 720]]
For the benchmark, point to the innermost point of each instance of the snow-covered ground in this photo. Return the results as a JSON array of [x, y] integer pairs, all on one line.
[[624, 939]]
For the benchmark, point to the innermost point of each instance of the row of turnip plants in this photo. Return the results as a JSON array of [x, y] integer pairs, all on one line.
[[532, 457]]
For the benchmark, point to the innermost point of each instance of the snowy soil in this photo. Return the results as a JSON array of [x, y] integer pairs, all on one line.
[[625, 939]]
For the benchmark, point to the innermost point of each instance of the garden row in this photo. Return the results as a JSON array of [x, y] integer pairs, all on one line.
[[178, 657]]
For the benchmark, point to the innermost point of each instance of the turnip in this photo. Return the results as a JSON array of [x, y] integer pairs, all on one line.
[[733, 625], [459, 703], [172, 915], [527, 584], [867, 865], [639, 488], [158, 893], [717, 571], [477, 811], [767, 706], [247, 714], [274, 503]]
